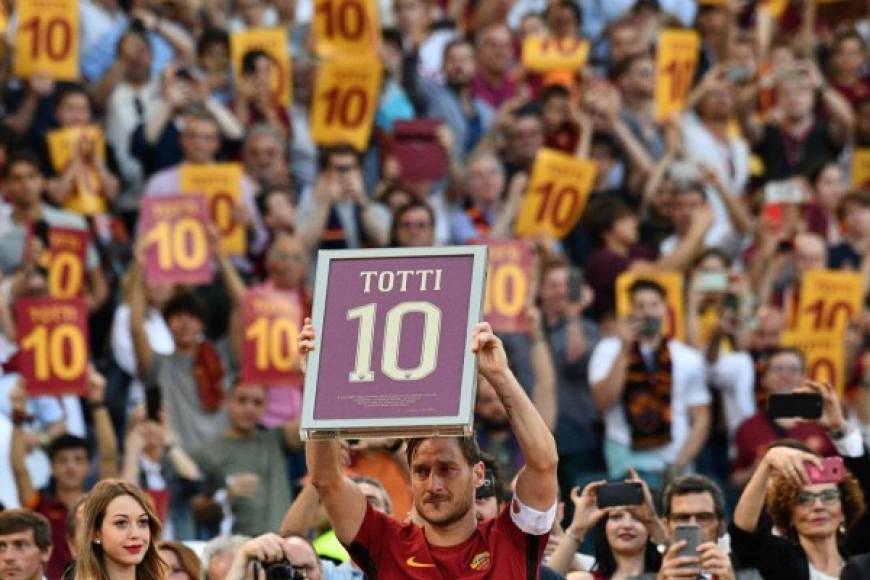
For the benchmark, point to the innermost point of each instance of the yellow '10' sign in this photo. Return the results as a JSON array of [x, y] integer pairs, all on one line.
[[676, 58], [348, 27], [47, 39], [545, 54], [556, 194]]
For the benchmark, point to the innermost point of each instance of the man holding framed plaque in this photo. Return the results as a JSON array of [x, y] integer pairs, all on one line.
[[398, 352]]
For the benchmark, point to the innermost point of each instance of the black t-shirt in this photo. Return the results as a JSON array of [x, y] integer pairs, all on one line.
[[844, 256], [785, 156]]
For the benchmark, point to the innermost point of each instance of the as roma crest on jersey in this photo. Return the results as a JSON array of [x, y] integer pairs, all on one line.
[[481, 561]]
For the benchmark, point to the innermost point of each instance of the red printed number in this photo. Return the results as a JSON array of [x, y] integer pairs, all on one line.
[[823, 322], [559, 206], [349, 19], [347, 107], [55, 36], [681, 78]]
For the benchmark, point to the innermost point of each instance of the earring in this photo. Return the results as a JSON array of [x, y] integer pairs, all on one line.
[[842, 529], [96, 541]]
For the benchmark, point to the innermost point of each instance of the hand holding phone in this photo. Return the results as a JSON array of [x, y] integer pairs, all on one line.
[[691, 534], [832, 471]]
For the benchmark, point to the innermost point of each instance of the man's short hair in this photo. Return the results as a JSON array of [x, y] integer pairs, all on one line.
[[787, 350], [26, 157], [385, 496], [468, 445], [261, 129], [211, 36], [621, 67], [651, 285], [689, 484], [185, 302], [458, 41], [859, 198], [217, 546], [602, 214], [250, 58], [20, 520], [64, 442], [327, 153]]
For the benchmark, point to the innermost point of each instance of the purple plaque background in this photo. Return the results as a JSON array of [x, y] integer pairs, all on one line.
[[437, 394]]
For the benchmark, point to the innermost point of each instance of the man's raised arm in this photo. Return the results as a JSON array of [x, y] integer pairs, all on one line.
[[536, 485], [344, 502]]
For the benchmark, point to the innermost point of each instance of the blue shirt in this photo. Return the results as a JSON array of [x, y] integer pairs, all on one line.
[[97, 61]]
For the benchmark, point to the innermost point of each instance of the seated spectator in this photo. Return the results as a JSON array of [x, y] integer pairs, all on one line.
[[25, 545]]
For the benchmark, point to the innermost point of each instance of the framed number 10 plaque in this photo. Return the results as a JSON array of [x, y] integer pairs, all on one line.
[[393, 353]]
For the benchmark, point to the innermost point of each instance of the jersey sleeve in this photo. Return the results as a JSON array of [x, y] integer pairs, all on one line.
[[374, 533]]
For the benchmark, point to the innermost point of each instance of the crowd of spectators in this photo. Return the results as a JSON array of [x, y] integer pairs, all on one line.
[[761, 179]]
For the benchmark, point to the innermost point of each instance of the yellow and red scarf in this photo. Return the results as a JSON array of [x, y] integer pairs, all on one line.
[[647, 398]]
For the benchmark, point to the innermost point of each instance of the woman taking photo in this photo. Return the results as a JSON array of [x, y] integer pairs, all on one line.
[[812, 519], [623, 538], [118, 539]]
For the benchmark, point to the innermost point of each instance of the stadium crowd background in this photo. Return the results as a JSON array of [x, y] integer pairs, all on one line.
[[749, 188]]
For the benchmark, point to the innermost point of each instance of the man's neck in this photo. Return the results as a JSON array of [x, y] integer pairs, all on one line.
[[493, 78], [616, 246], [718, 128], [641, 106], [23, 214], [652, 343], [70, 495], [117, 571], [236, 433], [798, 126], [453, 534]]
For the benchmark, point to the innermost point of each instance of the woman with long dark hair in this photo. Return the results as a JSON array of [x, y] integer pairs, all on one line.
[[622, 535]]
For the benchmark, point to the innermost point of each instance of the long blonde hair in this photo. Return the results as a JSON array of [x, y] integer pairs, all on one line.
[[90, 564]]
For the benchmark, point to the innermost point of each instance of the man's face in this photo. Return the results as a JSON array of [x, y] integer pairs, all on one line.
[[263, 158], [649, 304], [640, 79], [683, 207], [74, 110], [185, 329], [301, 555], [624, 41], [246, 406], [625, 229], [286, 262], [797, 98], [21, 558], [495, 51], [858, 220], [486, 509], [488, 408], [345, 168], [200, 141], [136, 54], [485, 180], [718, 103], [526, 136], [70, 467], [374, 497], [810, 253], [415, 229], [695, 508], [848, 58], [554, 290], [459, 65], [411, 15], [784, 373], [24, 185], [442, 481]]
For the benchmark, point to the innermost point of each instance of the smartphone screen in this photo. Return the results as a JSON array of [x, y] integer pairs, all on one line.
[[691, 533], [620, 494], [803, 405]]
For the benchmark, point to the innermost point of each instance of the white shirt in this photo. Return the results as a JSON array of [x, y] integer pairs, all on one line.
[[123, 115], [8, 489], [689, 389], [159, 338], [730, 160]]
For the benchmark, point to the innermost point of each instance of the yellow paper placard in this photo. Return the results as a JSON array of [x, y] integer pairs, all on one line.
[[345, 99], [273, 42], [556, 194], [861, 167], [676, 59], [776, 8], [829, 299], [62, 145], [825, 356], [221, 183], [672, 282], [346, 27], [47, 39], [547, 54]]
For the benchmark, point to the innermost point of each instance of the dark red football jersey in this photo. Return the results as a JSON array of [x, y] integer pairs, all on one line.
[[387, 549]]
